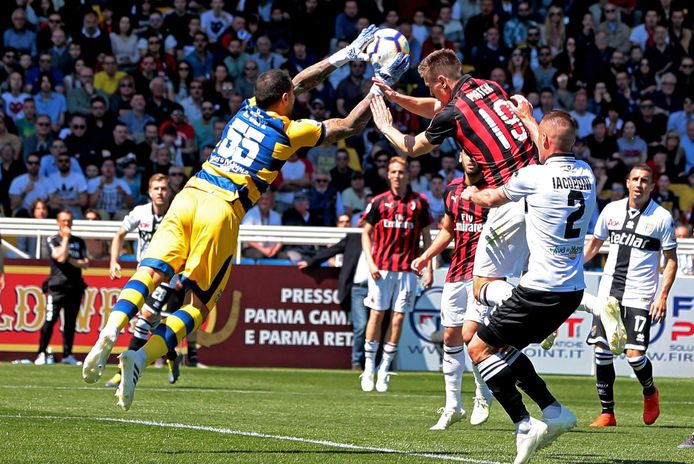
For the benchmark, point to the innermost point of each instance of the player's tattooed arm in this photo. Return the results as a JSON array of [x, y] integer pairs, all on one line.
[[312, 76], [524, 110], [354, 123], [488, 198], [406, 144]]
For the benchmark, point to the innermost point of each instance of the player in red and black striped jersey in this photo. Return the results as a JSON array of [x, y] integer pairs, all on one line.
[[479, 116], [394, 223], [461, 315]]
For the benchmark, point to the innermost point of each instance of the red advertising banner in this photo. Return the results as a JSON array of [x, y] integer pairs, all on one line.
[[270, 316]]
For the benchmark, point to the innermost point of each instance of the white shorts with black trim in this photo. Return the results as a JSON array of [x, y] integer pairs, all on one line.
[[458, 305], [502, 250], [394, 290]]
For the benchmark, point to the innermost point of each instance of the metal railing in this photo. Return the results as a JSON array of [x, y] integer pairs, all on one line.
[[288, 235]]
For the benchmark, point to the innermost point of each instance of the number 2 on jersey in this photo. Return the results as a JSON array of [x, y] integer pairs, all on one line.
[[242, 143], [575, 198]]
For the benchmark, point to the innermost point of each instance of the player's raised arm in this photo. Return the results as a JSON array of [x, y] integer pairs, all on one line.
[[316, 73], [425, 107], [488, 198], [406, 144], [524, 110]]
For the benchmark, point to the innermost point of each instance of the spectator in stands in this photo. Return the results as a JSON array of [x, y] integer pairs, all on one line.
[[449, 168], [40, 142], [51, 103], [662, 56], [687, 144], [263, 214], [99, 123], [124, 44], [27, 188], [544, 72], [522, 77], [685, 76], [580, 113], [133, 177], [632, 148], [181, 80], [452, 28], [119, 145], [354, 197], [376, 176], [176, 21], [185, 134], [97, 249], [67, 189], [204, 125], [72, 80], [15, 96], [435, 41], [108, 78], [79, 99], [45, 67], [264, 57], [295, 175], [341, 174], [10, 168], [600, 145], [678, 120], [200, 59], [148, 73], [346, 22], [516, 29], [215, 20], [109, 195], [93, 40], [420, 28], [666, 197], [349, 92], [237, 58], [322, 200], [665, 98], [617, 32], [650, 125], [64, 287], [192, 105], [477, 26], [660, 164], [26, 123], [158, 105], [37, 210], [435, 197], [136, 119], [20, 37], [418, 181], [54, 22], [59, 51], [299, 215], [49, 162], [177, 179], [153, 46]]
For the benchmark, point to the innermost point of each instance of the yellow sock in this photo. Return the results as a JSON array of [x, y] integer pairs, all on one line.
[[130, 300], [170, 333]]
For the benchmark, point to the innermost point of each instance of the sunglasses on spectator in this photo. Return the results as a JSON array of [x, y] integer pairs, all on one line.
[[647, 106], [341, 158], [250, 68], [321, 181], [43, 124], [154, 42], [555, 13], [183, 68], [63, 160], [54, 21], [32, 163], [688, 65], [78, 126], [126, 85], [172, 174]]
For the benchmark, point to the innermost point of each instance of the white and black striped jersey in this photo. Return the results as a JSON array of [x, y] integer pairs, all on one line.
[[560, 199], [636, 238], [142, 219]]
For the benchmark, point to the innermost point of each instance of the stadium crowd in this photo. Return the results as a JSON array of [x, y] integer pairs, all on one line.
[[97, 96]]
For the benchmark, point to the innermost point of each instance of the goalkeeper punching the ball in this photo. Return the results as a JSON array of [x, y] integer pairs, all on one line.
[[198, 237]]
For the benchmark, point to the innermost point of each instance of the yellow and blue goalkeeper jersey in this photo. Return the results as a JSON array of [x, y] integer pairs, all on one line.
[[254, 146]]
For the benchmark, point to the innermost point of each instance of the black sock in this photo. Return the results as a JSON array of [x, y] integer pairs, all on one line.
[[604, 378], [499, 377], [644, 372], [136, 343], [172, 355], [192, 354], [531, 383]]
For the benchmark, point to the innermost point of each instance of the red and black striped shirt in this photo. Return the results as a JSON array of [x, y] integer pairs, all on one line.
[[468, 219], [397, 225], [480, 119]]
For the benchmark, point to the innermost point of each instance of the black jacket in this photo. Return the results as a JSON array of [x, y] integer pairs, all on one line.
[[350, 247]]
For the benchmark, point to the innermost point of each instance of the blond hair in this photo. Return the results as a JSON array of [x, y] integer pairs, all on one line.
[[158, 178], [397, 160]]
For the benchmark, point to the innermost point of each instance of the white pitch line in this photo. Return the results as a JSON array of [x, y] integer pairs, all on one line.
[[225, 431]]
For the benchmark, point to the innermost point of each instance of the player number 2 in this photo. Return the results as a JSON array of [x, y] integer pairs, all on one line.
[[242, 144], [575, 199]]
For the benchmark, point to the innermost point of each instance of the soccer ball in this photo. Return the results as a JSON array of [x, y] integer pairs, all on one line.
[[386, 45]]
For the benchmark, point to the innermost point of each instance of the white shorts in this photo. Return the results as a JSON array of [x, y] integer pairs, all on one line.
[[502, 250], [458, 305], [394, 290]]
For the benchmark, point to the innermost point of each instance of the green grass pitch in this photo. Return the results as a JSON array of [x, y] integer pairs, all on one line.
[[49, 415]]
